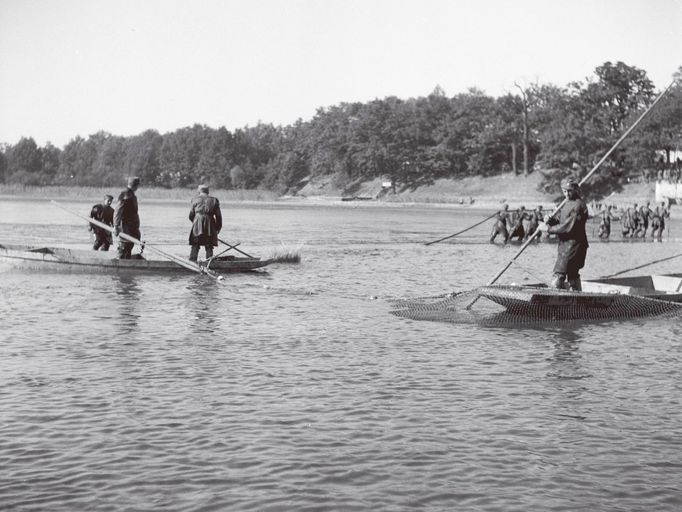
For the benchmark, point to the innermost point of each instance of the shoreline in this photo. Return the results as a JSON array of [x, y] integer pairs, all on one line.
[[471, 193]]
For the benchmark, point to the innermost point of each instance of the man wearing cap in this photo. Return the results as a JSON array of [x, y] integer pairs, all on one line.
[[126, 218], [104, 213], [570, 229], [207, 221]]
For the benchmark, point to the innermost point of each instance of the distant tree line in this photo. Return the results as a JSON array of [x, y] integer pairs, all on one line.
[[542, 127]]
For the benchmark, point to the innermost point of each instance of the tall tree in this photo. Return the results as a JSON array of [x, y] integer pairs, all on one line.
[[24, 162]]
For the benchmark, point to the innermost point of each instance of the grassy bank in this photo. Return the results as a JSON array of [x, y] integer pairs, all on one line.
[[95, 193], [471, 192]]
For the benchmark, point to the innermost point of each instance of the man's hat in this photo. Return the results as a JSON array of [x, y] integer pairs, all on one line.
[[203, 188], [107, 196], [569, 184], [133, 181]]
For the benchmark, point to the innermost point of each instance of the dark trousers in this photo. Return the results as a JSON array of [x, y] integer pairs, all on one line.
[[194, 252], [125, 249], [101, 242]]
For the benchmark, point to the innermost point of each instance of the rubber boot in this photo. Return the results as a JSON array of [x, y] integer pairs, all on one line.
[[575, 285]]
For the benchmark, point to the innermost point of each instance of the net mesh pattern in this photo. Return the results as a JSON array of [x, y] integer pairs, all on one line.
[[516, 305]]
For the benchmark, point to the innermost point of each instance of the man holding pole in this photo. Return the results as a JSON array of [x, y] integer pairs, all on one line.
[[126, 218], [569, 225]]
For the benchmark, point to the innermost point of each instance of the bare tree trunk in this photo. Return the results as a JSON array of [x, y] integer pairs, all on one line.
[[525, 129], [513, 156], [525, 138]]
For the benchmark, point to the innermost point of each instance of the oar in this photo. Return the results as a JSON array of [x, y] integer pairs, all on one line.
[[460, 232], [190, 265], [582, 181], [235, 248]]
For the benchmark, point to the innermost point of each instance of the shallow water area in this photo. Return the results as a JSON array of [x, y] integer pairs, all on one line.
[[295, 388]]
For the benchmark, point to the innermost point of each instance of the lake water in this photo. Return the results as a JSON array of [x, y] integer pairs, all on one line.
[[297, 389]]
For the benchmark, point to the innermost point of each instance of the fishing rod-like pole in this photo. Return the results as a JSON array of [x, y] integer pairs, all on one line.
[[582, 181], [460, 232]]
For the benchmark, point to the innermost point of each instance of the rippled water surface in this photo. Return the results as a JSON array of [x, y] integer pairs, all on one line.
[[296, 389]]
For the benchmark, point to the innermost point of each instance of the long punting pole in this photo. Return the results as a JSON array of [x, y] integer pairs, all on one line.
[[582, 181], [460, 232], [189, 265]]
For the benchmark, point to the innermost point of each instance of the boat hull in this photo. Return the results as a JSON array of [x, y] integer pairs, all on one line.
[[61, 259], [551, 304]]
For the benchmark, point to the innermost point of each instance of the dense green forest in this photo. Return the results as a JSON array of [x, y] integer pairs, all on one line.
[[541, 127]]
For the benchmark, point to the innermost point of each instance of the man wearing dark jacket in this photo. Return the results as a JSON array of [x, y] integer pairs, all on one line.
[[104, 213], [207, 221], [569, 226], [126, 218]]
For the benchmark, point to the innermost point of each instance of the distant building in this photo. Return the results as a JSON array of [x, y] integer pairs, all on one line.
[[668, 192]]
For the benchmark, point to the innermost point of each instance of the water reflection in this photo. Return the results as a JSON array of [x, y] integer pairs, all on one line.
[[567, 372], [127, 295], [566, 359], [203, 304]]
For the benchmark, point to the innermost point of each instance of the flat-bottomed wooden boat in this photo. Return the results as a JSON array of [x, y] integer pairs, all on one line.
[[623, 297], [58, 258]]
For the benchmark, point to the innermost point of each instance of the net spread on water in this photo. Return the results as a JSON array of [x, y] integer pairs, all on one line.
[[509, 305]]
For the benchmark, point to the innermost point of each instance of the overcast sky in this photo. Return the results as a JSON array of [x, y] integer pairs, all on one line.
[[75, 67]]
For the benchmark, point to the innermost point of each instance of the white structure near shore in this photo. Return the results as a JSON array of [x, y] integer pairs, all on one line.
[[668, 192]]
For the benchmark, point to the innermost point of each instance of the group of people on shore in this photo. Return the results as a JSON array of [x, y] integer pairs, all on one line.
[[204, 214], [517, 225], [636, 221]]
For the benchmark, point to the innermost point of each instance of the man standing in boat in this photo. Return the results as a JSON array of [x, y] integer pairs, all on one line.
[[104, 213], [207, 221], [126, 218], [569, 226]]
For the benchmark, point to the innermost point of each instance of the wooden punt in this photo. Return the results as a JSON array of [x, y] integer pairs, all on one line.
[[58, 258], [624, 297]]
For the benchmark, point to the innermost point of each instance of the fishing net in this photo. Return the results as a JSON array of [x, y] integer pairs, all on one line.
[[497, 305]]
